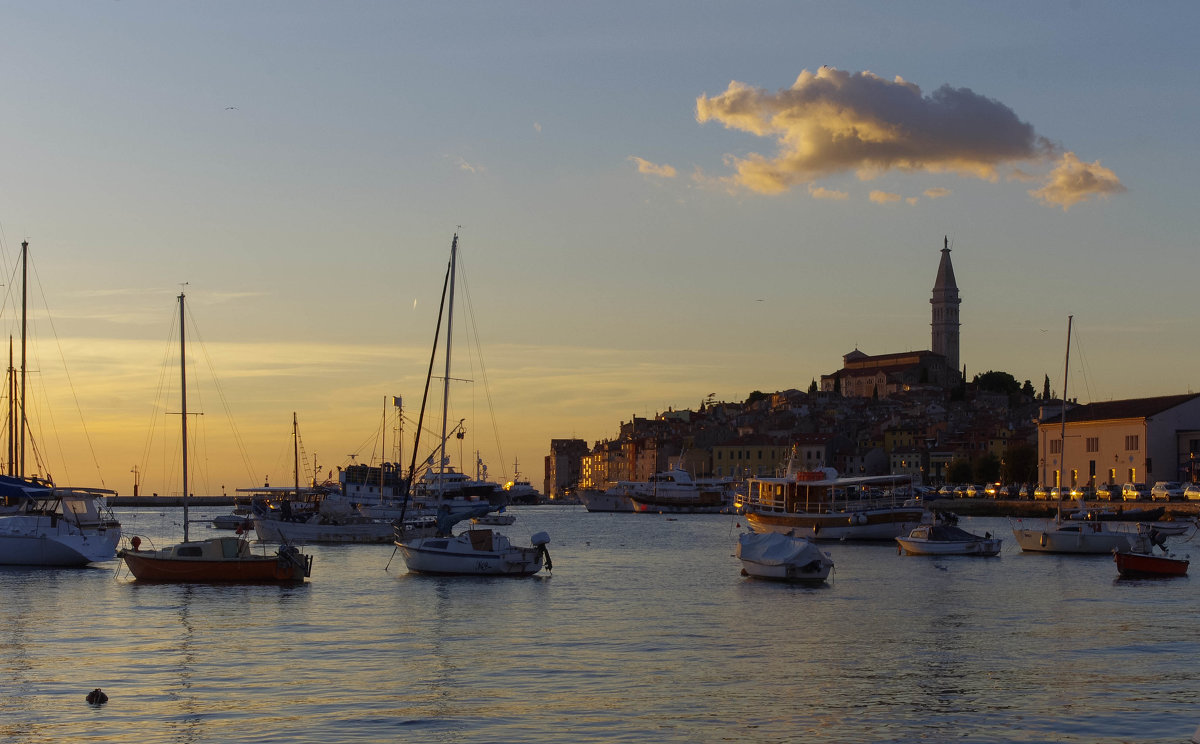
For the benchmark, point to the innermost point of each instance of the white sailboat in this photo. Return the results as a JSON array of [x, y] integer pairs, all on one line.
[[1059, 535], [480, 552], [41, 524]]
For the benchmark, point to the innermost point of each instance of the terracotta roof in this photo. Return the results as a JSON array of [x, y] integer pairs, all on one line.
[[1133, 408]]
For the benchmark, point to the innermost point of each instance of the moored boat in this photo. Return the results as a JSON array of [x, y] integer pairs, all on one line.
[[820, 505], [780, 557], [675, 492], [942, 538], [1131, 565], [56, 526], [215, 560]]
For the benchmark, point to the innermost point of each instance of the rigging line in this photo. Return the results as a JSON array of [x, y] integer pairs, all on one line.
[[487, 390], [160, 393], [1084, 369], [70, 384], [237, 436]]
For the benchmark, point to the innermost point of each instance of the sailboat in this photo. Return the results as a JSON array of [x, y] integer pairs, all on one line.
[[1061, 535], [42, 524], [480, 552], [218, 559]]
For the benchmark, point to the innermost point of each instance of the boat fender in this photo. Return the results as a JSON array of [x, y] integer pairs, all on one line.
[[1042, 540], [136, 542], [816, 528], [540, 538], [97, 696]]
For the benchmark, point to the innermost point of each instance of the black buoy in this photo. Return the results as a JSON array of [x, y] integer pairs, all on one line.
[[97, 697]]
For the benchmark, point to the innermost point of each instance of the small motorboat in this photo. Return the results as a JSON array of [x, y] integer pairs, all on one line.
[[1140, 562], [782, 557], [941, 537], [1133, 565]]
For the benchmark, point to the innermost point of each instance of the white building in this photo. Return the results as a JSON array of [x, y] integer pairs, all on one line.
[[1141, 440]]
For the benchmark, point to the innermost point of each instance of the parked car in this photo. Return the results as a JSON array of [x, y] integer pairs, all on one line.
[[1167, 491], [1106, 491], [1087, 493], [1041, 493], [1134, 492], [946, 491], [1025, 491], [975, 492], [1191, 492]]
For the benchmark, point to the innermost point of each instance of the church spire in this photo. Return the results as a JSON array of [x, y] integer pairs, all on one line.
[[945, 303]]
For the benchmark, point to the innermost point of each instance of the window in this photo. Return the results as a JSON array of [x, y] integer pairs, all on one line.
[[1131, 443], [1055, 446], [1093, 444]]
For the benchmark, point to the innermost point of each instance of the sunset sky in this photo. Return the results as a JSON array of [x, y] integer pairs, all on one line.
[[658, 201]]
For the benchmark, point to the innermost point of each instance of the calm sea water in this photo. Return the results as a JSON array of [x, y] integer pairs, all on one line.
[[645, 632]]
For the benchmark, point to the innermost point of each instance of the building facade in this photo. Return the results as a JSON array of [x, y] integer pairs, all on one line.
[[1140, 440]]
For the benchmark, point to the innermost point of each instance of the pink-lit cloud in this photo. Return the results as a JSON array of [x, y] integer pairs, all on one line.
[[1073, 181], [832, 121]]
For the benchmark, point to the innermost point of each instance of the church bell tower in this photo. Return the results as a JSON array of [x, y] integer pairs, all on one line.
[[945, 303]]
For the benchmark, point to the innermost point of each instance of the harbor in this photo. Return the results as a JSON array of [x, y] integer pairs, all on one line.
[[644, 631]]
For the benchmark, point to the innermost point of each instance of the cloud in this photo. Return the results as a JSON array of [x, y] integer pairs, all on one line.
[[1073, 181], [884, 197], [646, 168], [820, 192], [832, 121], [537, 127], [912, 201], [937, 192]]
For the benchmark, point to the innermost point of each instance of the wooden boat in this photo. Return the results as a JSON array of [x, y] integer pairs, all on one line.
[[821, 506], [779, 557], [219, 559], [1133, 565]]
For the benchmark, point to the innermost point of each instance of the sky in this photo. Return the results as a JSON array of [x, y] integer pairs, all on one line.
[[657, 202]]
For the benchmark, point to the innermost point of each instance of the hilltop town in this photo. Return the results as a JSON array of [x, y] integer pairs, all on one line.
[[912, 413]]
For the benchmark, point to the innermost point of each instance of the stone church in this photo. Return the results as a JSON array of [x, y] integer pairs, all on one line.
[[866, 376]]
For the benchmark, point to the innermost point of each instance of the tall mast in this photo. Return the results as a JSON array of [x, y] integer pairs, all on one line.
[[449, 346], [1062, 456], [183, 415], [24, 326], [12, 412], [296, 454]]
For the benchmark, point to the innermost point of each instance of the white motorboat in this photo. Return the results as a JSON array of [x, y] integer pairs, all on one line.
[[614, 499], [57, 527], [939, 537], [780, 557], [495, 519], [675, 492]]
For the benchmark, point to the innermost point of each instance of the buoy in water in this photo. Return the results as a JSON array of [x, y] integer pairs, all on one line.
[[97, 696]]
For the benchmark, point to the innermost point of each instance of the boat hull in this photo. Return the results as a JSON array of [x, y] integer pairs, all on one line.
[[34, 541], [600, 501], [278, 531], [471, 553], [1145, 566], [778, 557], [219, 560], [868, 524], [921, 546], [1085, 538]]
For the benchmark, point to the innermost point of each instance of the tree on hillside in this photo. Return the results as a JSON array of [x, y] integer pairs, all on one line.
[[755, 397], [1046, 388], [1027, 390], [986, 469], [997, 382], [812, 387]]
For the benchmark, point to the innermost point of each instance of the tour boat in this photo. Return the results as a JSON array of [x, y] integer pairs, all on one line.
[[219, 559], [821, 506], [780, 557]]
